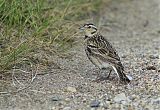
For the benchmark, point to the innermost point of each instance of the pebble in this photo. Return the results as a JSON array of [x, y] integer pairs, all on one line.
[[154, 56], [71, 89], [151, 67], [95, 103], [124, 56], [67, 99], [55, 108], [148, 107], [134, 97], [67, 108], [124, 102], [56, 98], [156, 101], [120, 97]]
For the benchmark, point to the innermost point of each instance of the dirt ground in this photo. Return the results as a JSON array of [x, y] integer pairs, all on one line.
[[134, 30]]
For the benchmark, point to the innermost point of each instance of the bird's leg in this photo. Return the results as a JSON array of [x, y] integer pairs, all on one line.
[[102, 78], [109, 73]]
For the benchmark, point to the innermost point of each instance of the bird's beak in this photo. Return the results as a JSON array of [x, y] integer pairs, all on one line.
[[81, 28]]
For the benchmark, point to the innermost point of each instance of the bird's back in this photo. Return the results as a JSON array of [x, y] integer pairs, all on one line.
[[99, 47]]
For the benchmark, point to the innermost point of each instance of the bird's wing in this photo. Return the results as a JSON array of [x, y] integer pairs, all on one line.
[[101, 48]]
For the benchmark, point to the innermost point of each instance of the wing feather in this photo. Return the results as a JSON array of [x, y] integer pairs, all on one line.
[[101, 48]]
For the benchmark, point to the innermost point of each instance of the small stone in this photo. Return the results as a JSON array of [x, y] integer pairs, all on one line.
[[117, 106], [67, 99], [133, 97], [67, 108], [151, 68], [55, 108], [95, 103], [148, 107], [120, 97], [71, 89], [108, 102], [124, 102], [154, 56], [55, 98], [157, 101], [124, 56]]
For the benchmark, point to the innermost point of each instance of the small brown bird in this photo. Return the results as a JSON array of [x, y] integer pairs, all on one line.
[[101, 53]]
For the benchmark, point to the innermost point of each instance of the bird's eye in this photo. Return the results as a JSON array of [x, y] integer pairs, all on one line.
[[89, 26]]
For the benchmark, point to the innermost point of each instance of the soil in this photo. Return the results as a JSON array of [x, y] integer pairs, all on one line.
[[133, 27]]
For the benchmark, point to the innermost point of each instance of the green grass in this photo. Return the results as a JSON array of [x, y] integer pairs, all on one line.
[[31, 27]]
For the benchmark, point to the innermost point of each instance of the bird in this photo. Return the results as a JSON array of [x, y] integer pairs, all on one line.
[[101, 52]]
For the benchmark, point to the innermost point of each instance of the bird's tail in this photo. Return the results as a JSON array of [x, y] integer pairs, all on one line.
[[120, 72]]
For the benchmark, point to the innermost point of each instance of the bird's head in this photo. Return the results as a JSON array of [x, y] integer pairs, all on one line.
[[89, 29]]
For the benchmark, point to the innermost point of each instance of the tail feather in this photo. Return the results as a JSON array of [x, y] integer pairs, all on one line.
[[120, 73]]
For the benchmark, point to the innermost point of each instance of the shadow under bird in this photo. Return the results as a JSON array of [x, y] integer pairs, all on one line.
[[101, 53]]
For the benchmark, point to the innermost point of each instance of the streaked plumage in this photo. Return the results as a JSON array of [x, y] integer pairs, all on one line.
[[101, 53]]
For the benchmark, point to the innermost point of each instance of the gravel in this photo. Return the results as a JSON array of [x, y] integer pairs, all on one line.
[[134, 32], [95, 103]]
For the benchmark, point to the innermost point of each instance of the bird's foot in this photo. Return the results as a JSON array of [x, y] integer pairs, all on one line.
[[99, 79]]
